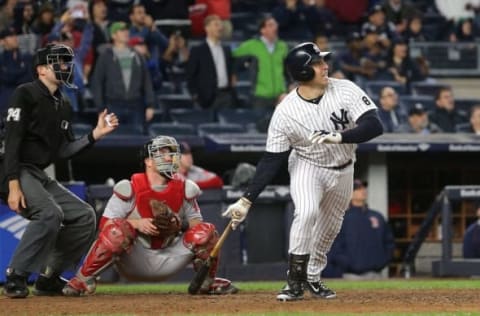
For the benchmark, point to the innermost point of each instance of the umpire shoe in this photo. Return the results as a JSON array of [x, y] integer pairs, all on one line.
[[291, 293], [15, 286], [320, 290], [49, 286]]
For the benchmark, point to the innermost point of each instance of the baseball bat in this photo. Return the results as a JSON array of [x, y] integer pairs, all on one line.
[[202, 272]]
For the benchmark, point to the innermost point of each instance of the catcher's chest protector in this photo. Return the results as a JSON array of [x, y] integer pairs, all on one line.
[[172, 196]]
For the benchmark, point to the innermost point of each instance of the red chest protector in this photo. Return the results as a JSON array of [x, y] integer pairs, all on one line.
[[173, 196]]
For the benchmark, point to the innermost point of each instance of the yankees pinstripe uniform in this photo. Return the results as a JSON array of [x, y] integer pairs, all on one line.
[[317, 126]]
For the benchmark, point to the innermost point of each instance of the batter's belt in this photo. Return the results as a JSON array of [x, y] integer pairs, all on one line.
[[343, 166]]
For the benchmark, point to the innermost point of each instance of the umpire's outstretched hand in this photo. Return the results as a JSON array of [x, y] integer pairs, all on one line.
[[106, 123], [238, 211]]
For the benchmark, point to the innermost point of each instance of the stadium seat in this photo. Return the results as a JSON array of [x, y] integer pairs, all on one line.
[[466, 104], [426, 88], [80, 129], [463, 128], [373, 88], [219, 128], [127, 130], [239, 116], [170, 101], [192, 116], [172, 129]]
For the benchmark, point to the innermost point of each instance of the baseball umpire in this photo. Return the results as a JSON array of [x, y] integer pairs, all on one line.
[[152, 227], [38, 132], [316, 127]]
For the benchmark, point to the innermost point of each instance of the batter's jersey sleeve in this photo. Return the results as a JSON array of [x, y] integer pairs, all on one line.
[[359, 101], [277, 139]]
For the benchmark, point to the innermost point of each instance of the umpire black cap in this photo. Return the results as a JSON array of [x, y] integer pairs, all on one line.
[[301, 57]]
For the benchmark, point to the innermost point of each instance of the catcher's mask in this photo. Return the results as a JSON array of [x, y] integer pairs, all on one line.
[[167, 162], [60, 58]]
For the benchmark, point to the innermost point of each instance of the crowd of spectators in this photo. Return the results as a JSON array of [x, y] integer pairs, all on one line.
[[143, 58]]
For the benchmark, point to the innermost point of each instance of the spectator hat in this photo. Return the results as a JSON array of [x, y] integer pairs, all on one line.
[[117, 26], [358, 184], [376, 8], [9, 31], [417, 109], [185, 148]]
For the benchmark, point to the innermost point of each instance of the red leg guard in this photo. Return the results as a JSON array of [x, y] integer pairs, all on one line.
[[116, 237], [201, 239]]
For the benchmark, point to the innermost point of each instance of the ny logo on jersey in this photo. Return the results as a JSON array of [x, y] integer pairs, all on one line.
[[13, 114], [340, 122]]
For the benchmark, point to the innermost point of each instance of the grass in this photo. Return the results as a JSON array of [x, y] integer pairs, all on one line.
[[412, 284]]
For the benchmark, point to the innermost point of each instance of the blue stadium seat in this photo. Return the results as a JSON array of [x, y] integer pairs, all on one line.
[[219, 128], [192, 116], [466, 104], [246, 117], [127, 130], [426, 88], [169, 101], [373, 88], [463, 128], [172, 129], [80, 129]]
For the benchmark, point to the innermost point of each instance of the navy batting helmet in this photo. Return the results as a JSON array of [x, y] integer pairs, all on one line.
[[300, 59]]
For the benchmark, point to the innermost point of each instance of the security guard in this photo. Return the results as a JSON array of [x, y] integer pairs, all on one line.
[[38, 131]]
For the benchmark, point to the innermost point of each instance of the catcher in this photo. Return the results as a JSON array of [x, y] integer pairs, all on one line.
[[152, 227]]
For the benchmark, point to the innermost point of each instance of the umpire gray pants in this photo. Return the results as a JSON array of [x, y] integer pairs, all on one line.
[[61, 227]]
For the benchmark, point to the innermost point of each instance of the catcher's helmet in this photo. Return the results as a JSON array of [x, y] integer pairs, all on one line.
[[151, 149], [300, 58], [60, 57]]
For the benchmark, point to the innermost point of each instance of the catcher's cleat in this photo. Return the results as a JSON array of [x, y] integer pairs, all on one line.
[[294, 293], [15, 286], [320, 290], [77, 286], [52, 286], [220, 286]]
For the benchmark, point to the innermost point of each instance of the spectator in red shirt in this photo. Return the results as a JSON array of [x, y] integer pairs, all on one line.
[[203, 178]]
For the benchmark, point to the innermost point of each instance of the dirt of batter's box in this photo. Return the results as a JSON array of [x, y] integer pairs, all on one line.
[[347, 301]]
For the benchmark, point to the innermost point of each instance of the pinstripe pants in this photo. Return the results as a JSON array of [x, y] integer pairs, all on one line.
[[321, 197], [61, 227]]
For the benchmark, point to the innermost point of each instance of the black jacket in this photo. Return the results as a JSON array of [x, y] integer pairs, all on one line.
[[201, 73], [447, 120], [38, 130]]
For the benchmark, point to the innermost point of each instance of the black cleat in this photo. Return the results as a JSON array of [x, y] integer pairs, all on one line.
[[288, 294], [52, 286], [15, 286], [320, 290]]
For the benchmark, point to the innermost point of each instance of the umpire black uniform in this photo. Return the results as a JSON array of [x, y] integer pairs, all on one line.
[[38, 131]]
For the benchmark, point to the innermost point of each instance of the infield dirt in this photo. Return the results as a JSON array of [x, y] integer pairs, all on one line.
[[348, 301]]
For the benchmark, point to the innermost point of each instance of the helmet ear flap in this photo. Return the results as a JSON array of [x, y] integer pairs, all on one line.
[[306, 74]]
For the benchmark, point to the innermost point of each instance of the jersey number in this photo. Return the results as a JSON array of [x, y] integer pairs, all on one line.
[[13, 114], [366, 100]]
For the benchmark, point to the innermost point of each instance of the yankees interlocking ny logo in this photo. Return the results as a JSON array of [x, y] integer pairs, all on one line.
[[340, 122]]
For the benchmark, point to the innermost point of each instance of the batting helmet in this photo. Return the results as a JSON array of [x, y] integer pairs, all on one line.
[[300, 59]]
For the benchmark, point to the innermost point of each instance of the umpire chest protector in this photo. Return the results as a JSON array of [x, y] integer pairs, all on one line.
[[173, 194]]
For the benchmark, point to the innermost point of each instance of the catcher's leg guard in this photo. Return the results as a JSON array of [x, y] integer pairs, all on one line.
[[116, 237], [201, 239]]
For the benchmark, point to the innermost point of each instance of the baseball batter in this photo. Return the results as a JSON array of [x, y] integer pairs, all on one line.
[[152, 227], [317, 127]]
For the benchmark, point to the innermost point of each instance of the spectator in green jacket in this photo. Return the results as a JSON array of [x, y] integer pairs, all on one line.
[[270, 53]]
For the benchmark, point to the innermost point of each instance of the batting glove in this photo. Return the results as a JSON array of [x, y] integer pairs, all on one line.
[[324, 137], [238, 211]]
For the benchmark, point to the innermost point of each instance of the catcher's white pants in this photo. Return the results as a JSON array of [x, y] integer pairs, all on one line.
[[143, 264]]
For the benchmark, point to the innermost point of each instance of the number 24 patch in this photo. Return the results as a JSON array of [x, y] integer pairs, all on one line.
[[13, 114]]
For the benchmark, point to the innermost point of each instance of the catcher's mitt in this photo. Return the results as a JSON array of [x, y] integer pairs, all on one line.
[[167, 222]]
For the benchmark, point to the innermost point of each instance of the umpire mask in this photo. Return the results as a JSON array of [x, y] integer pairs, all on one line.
[[60, 58], [167, 162]]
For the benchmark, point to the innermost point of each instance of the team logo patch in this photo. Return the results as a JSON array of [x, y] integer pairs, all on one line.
[[340, 121], [13, 114]]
